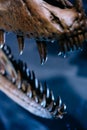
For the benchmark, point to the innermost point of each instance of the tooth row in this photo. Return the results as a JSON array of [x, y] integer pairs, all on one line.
[[42, 48], [7, 51], [43, 96], [76, 41], [28, 84], [72, 43]]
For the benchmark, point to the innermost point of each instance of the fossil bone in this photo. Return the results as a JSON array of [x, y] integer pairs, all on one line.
[[44, 20], [17, 83]]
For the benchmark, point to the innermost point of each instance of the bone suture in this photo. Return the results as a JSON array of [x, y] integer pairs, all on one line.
[[27, 83]]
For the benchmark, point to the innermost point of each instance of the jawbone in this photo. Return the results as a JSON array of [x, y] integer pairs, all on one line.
[[46, 21]]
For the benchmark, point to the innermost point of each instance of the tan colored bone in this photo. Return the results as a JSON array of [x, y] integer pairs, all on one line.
[[38, 18]]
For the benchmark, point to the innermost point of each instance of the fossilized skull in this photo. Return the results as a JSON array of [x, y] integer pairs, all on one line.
[[44, 20]]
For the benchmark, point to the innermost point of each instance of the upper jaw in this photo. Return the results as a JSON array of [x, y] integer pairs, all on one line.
[[41, 19]]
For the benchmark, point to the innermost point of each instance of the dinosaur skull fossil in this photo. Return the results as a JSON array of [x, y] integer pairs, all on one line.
[[46, 21]]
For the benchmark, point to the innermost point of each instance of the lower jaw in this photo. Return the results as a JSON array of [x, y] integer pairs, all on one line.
[[22, 86]]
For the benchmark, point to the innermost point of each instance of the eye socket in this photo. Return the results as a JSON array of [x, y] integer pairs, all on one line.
[[55, 3]]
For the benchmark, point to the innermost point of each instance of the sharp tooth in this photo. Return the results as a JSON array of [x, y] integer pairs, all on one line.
[[36, 83], [75, 42], [50, 106], [78, 41], [71, 43], [62, 47], [59, 101], [48, 93], [24, 67], [33, 76], [42, 48], [49, 97], [81, 39], [60, 53], [39, 91], [41, 88], [13, 77], [35, 96], [18, 81], [43, 96], [33, 79], [63, 108], [24, 87], [55, 112], [43, 101], [36, 99], [20, 43], [28, 72], [64, 55], [61, 111], [52, 96], [29, 91], [2, 38]]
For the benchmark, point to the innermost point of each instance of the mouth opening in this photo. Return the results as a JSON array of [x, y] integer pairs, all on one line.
[[22, 86]]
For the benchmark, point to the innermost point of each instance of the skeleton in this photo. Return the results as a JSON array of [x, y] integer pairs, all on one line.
[[46, 21]]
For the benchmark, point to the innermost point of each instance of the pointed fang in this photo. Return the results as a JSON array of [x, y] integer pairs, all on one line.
[[2, 38], [20, 43], [42, 48]]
